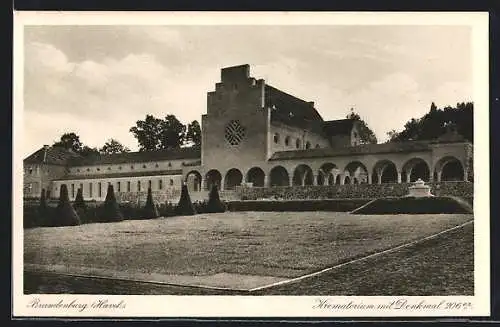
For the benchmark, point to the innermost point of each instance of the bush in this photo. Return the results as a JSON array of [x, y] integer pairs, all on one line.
[[110, 211], [167, 210], [150, 211], [65, 214], [185, 206], [339, 205], [79, 202], [214, 203], [43, 216], [412, 205]]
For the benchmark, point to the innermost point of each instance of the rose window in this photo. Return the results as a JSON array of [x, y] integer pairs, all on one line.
[[234, 132]]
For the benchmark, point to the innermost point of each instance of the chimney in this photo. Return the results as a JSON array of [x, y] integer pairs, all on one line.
[[45, 149]]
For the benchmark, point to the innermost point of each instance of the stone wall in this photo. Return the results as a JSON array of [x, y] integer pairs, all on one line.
[[365, 191]]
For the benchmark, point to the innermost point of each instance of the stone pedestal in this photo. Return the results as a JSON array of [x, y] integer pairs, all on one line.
[[419, 189]]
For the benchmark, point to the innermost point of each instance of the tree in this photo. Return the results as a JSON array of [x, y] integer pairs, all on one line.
[[70, 141], [150, 210], [110, 210], [65, 213], [193, 134], [438, 122], [157, 134], [365, 133], [43, 211], [172, 133], [147, 132], [185, 206], [112, 146], [214, 203], [87, 151]]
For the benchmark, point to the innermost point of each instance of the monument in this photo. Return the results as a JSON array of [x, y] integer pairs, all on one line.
[[419, 189]]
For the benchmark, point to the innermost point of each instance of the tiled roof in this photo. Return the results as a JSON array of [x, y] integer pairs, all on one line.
[[121, 175], [354, 150], [51, 155], [144, 156], [289, 109], [338, 127]]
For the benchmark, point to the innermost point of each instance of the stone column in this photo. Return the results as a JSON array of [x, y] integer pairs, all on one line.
[[290, 182], [408, 176], [342, 177], [439, 176], [315, 180], [379, 178], [466, 175], [399, 177], [202, 184], [266, 180], [369, 178], [222, 183]]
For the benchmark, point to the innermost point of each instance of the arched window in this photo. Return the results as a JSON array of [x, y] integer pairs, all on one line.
[[297, 143], [317, 146], [149, 184], [138, 186], [276, 138], [287, 140], [171, 182], [160, 184], [308, 145]]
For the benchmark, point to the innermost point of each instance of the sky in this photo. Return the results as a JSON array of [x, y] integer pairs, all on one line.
[[97, 81]]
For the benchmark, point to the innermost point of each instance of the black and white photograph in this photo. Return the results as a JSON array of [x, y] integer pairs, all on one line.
[[338, 161]]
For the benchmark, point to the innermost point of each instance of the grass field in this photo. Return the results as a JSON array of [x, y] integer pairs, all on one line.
[[265, 244], [440, 266]]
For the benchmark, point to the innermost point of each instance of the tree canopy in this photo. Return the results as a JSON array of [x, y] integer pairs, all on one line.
[[112, 146], [193, 134], [169, 133], [438, 122], [365, 133], [70, 141]]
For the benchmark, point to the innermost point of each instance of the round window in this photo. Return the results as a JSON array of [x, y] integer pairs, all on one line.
[[234, 132]]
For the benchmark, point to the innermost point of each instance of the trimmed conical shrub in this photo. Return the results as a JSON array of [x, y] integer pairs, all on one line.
[[42, 218], [79, 202], [110, 210], [65, 213], [185, 206], [150, 210], [80, 206], [214, 203]]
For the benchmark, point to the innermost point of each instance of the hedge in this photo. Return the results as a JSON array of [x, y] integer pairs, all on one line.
[[337, 205], [413, 205]]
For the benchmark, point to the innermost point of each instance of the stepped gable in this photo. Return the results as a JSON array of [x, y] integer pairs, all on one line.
[[395, 147], [140, 156], [52, 155]]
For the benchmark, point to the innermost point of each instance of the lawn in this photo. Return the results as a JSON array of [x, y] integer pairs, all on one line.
[[443, 265], [268, 245]]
